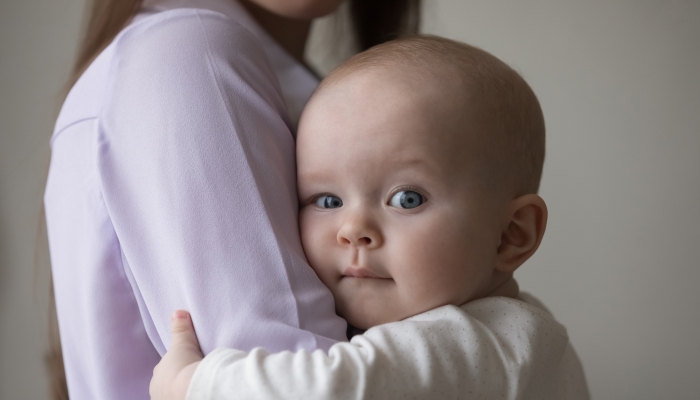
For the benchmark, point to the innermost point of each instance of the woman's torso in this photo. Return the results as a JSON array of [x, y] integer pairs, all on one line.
[[118, 267]]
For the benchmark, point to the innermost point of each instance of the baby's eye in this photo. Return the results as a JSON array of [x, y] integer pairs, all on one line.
[[406, 199], [329, 201]]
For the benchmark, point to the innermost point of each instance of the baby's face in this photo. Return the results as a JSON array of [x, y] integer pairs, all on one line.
[[395, 217]]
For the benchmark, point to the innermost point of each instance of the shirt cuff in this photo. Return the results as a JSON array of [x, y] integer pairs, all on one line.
[[203, 381]]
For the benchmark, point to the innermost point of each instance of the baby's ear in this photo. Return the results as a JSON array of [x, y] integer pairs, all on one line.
[[522, 232]]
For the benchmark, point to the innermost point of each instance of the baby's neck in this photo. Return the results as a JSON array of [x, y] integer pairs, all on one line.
[[509, 288], [352, 331]]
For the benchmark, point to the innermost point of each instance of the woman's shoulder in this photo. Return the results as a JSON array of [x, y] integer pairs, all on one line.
[[172, 45], [167, 61], [183, 32]]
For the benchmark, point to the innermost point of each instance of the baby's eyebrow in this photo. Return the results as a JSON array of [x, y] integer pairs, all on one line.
[[414, 160], [313, 176], [314, 181], [417, 161]]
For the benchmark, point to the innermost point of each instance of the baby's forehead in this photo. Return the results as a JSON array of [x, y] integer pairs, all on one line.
[[414, 119], [462, 97], [434, 99], [435, 81], [384, 89]]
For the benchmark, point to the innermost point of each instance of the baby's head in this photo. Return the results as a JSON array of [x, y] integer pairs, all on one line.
[[418, 167]]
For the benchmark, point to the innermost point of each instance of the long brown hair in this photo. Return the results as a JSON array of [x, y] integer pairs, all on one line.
[[373, 22], [378, 21]]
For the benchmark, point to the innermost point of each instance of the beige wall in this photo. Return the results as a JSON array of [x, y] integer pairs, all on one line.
[[37, 40], [619, 265], [619, 87]]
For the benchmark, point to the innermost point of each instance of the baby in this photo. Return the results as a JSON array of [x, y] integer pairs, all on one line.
[[419, 163]]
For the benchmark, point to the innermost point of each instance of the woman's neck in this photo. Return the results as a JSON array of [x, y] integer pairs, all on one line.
[[291, 34]]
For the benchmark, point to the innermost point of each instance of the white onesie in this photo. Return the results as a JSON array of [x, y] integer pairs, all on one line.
[[492, 348]]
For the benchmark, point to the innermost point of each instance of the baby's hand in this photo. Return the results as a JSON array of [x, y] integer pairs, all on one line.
[[172, 375]]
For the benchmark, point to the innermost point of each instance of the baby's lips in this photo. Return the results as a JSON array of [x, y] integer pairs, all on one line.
[[361, 272]]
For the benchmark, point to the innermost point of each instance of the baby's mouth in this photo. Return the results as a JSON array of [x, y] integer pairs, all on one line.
[[360, 272]]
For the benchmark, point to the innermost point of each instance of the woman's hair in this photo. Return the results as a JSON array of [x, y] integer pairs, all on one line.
[[373, 22], [377, 21], [105, 18]]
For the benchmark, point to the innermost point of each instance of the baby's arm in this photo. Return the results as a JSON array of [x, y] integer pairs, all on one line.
[[444, 353]]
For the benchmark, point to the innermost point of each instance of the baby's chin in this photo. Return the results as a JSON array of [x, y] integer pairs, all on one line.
[[363, 320], [366, 313]]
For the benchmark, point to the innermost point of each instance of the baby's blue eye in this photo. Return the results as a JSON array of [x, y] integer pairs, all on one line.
[[328, 201], [406, 199]]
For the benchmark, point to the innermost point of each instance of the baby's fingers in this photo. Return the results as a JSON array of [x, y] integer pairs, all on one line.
[[183, 330]]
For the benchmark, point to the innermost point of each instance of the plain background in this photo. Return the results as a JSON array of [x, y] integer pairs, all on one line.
[[620, 263]]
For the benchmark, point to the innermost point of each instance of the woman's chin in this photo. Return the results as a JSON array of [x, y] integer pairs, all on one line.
[[299, 9]]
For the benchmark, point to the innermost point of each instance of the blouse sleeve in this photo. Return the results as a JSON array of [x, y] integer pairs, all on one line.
[[196, 164], [506, 352]]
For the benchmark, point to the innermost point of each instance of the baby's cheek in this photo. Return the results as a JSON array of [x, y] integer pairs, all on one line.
[[435, 269], [319, 253]]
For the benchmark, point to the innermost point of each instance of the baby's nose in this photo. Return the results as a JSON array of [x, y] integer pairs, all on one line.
[[360, 232]]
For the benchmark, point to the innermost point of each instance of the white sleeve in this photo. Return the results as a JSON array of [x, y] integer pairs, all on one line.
[[505, 350], [197, 169]]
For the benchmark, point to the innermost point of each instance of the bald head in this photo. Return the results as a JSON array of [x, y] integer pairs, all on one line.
[[498, 110]]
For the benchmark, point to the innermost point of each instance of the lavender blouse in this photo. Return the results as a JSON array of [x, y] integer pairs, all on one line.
[[172, 185]]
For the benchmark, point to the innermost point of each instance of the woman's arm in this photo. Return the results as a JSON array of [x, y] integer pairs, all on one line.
[[196, 162]]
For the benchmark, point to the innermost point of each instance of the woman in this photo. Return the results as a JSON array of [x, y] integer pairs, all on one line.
[[172, 184]]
